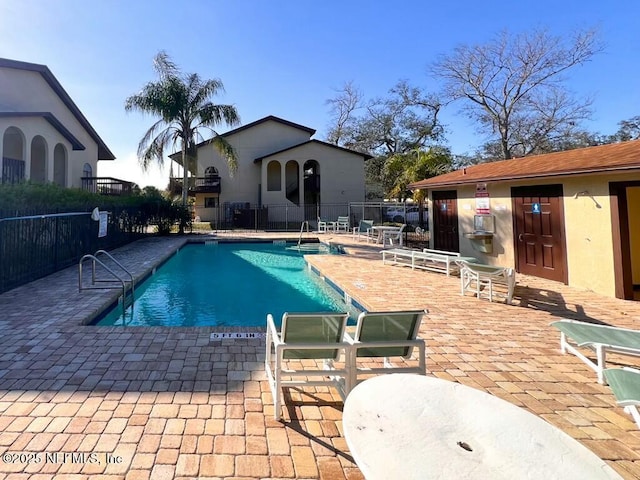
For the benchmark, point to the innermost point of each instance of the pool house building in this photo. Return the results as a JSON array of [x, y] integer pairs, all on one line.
[[571, 216]]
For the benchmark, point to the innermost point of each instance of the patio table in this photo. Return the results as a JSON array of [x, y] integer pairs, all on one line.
[[416, 427]]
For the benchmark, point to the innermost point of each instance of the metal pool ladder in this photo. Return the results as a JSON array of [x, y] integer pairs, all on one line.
[[305, 222], [127, 284]]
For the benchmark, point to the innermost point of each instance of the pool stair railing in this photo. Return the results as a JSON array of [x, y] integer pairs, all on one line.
[[305, 222], [127, 284]]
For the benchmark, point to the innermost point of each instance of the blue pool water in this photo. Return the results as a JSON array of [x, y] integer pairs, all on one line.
[[228, 284]]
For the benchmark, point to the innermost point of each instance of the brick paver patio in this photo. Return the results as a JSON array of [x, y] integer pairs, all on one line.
[[82, 401]]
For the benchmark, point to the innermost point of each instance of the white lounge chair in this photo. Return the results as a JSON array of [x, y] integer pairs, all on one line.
[[342, 224], [625, 384], [363, 230], [386, 335], [393, 237], [477, 276], [599, 338], [306, 336]]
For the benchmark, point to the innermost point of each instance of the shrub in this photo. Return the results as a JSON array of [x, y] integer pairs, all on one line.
[[134, 212]]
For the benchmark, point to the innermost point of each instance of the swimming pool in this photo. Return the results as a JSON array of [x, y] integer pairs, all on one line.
[[228, 284]]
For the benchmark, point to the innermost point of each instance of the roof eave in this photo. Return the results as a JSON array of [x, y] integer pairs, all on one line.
[[453, 183]]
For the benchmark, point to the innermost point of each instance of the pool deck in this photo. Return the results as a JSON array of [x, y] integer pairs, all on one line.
[[170, 403]]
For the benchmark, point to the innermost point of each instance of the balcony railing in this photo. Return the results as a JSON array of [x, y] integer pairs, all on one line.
[[107, 186], [196, 185]]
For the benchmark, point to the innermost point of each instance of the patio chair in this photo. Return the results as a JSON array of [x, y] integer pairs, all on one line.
[[363, 230], [342, 224], [293, 352], [599, 338], [477, 276], [393, 236], [625, 384], [386, 335], [324, 226]]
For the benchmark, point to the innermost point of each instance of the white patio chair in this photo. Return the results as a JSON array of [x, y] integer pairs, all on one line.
[[363, 230], [386, 335], [342, 224], [304, 337]]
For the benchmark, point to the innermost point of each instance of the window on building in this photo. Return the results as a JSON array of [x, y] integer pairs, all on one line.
[[211, 202], [274, 178]]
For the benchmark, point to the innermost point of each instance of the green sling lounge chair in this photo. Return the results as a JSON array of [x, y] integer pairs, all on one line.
[[304, 337], [600, 338], [385, 335], [625, 384]]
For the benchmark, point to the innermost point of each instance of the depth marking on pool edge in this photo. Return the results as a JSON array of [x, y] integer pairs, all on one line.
[[235, 335]]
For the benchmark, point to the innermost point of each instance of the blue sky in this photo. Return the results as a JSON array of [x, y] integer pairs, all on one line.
[[285, 57]]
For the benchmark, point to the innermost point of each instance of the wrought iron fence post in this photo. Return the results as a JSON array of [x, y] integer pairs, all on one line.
[[56, 239]]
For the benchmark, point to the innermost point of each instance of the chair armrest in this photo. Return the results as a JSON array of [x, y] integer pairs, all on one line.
[[271, 326]]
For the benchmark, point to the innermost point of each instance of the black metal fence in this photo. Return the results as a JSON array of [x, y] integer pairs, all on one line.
[[32, 247], [231, 216]]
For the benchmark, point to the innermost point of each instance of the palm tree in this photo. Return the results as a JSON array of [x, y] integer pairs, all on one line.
[[183, 103]]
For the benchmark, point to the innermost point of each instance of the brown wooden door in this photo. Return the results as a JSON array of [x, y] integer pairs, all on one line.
[[539, 231], [445, 221]]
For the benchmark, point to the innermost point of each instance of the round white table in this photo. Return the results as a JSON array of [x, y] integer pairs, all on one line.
[[416, 427]]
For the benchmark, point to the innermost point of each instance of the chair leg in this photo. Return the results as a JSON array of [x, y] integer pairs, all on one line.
[[601, 355], [277, 391], [633, 411]]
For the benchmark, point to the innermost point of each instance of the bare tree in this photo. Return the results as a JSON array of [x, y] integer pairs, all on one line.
[[404, 120], [514, 87], [342, 108]]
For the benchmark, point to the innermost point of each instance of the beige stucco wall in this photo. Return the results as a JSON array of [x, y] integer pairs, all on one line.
[[341, 174], [248, 144], [26, 91], [587, 220]]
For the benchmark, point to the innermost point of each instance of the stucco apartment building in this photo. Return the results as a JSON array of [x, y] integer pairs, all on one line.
[[571, 216], [279, 164], [44, 137]]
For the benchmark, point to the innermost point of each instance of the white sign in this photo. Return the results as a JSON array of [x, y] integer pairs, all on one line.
[[102, 226], [483, 206]]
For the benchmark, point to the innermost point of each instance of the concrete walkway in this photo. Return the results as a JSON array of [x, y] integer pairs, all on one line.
[[140, 403]]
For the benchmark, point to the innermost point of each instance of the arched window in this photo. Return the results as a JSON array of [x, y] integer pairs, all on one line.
[[38, 171], [274, 177], [13, 155], [87, 179], [60, 165], [292, 181]]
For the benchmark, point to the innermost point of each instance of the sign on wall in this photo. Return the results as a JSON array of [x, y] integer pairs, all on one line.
[[483, 206]]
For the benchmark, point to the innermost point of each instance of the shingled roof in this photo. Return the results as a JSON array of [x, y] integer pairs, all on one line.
[[615, 157]]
